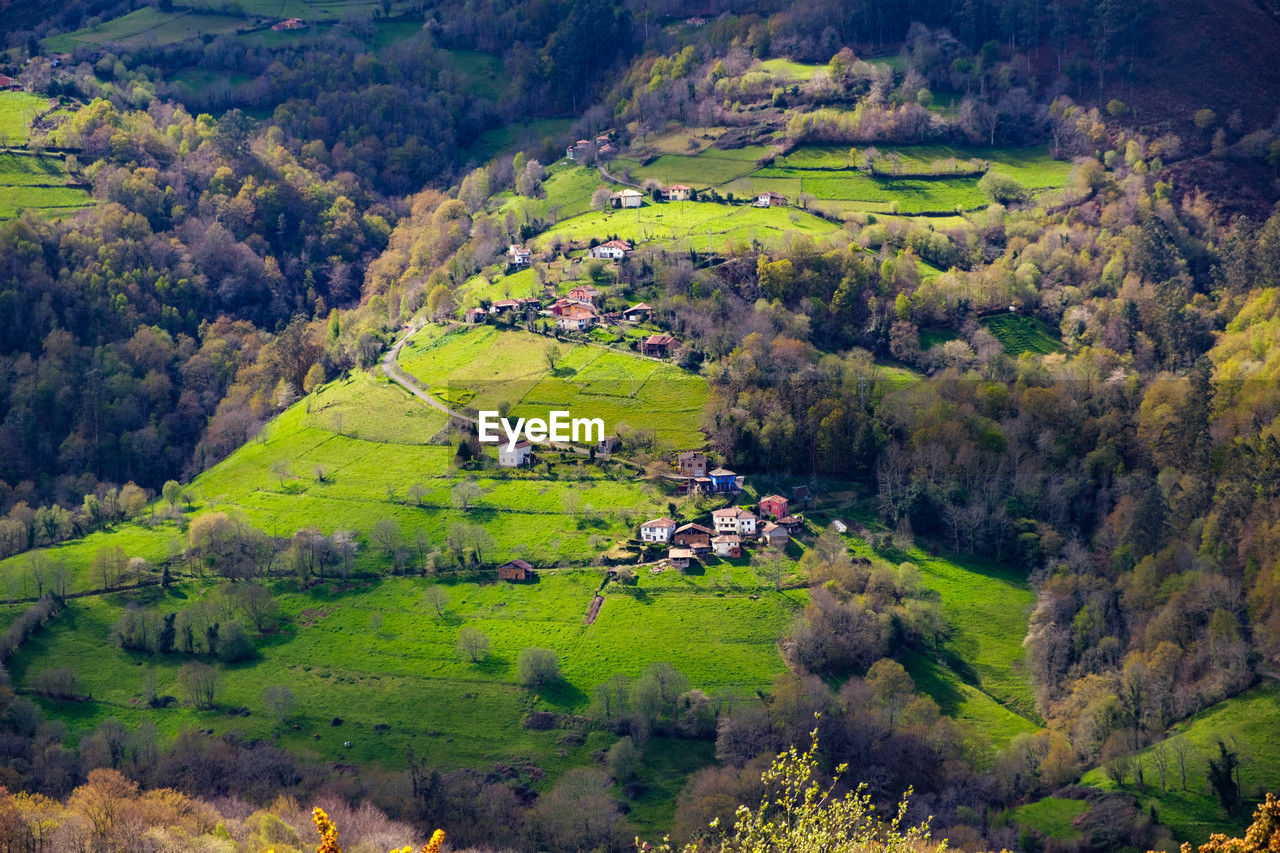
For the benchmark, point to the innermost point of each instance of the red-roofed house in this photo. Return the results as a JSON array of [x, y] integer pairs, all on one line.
[[639, 312], [516, 570], [677, 192], [7, 82], [658, 346], [774, 505], [576, 318], [518, 456], [658, 530], [614, 250]]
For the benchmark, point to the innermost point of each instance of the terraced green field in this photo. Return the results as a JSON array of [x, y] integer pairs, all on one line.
[[146, 27], [1019, 333], [691, 224], [482, 367], [37, 184]]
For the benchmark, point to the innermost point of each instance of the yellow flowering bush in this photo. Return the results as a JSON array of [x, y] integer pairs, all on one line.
[[329, 837]]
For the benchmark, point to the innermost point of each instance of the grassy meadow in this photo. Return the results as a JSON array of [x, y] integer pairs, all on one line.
[[17, 111], [1018, 333], [35, 183], [481, 368]]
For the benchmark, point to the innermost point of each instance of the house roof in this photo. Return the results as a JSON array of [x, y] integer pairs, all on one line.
[[693, 528], [770, 194], [772, 498], [790, 519], [517, 564], [723, 472], [659, 340], [659, 522], [771, 529], [506, 303], [6, 80], [577, 312], [520, 444], [628, 193], [731, 512], [680, 554], [729, 539], [643, 306], [583, 290], [679, 187], [618, 244], [690, 454]]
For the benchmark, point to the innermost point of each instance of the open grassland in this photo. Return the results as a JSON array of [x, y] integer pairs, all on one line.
[[483, 367], [509, 137], [1051, 817], [373, 654], [17, 111], [566, 192], [1248, 725], [152, 543], [38, 184], [929, 178], [1019, 333], [147, 27], [690, 224]]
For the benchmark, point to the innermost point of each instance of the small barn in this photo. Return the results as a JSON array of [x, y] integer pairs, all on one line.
[[516, 570]]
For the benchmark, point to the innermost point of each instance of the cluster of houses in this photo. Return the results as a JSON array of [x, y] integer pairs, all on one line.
[[731, 528], [602, 146]]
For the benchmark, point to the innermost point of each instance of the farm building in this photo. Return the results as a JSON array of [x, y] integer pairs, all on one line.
[[502, 306], [840, 526], [775, 535], [475, 315], [578, 149], [680, 557], [614, 250], [7, 82], [727, 546], [724, 480], [516, 457], [734, 520], [793, 524], [576, 318], [626, 199], [774, 505], [677, 192], [658, 346], [692, 463], [518, 255], [639, 312], [289, 24], [658, 530], [516, 570], [608, 444], [691, 535], [770, 199]]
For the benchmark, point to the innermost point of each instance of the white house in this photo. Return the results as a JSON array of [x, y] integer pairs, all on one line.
[[658, 530], [734, 520], [727, 546], [576, 318], [770, 199], [627, 198], [677, 192], [519, 255], [516, 457], [614, 250]]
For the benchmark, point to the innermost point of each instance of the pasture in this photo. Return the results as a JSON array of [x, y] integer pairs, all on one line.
[[1019, 333], [482, 368], [17, 111], [1051, 817], [690, 224], [38, 184], [1247, 724]]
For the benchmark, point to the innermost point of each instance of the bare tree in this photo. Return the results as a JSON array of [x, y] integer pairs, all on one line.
[[465, 494], [437, 598], [281, 470], [199, 682], [386, 535], [280, 700], [1181, 751], [473, 643], [417, 492], [1160, 758]]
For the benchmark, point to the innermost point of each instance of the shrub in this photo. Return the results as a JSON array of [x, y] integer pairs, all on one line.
[[536, 667]]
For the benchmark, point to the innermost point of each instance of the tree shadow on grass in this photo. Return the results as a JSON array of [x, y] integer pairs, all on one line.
[[494, 666], [562, 694]]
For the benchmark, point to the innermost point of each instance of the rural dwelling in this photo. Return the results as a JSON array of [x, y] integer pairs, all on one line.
[[502, 306], [626, 199], [289, 24], [583, 294], [723, 480], [614, 250], [658, 530], [576, 318], [727, 546], [474, 315], [774, 505], [637, 313], [770, 199], [561, 305], [7, 82], [577, 148], [518, 255], [516, 570], [692, 463], [608, 444], [775, 535], [677, 192], [734, 520], [516, 457], [691, 535], [793, 524], [658, 346], [680, 557]]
